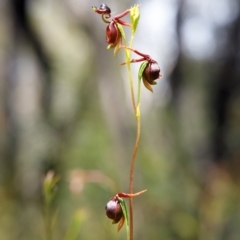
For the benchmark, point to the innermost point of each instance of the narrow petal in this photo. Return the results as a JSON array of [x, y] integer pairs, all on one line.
[[120, 224], [117, 47], [147, 85]]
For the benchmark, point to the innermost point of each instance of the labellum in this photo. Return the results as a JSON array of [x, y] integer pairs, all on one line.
[[114, 210], [113, 35], [151, 72]]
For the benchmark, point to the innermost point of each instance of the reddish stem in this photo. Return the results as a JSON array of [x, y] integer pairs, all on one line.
[[122, 14], [134, 61], [131, 176], [129, 195], [145, 56], [122, 22]]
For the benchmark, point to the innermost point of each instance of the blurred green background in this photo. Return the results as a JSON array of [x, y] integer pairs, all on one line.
[[65, 107]]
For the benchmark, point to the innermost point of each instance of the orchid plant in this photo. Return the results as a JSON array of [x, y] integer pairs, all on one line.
[[149, 72]]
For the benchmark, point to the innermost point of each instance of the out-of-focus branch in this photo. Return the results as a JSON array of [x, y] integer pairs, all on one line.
[[227, 81]]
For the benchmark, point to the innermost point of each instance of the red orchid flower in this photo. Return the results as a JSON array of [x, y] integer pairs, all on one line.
[[115, 209], [151, 71], [113, 32]]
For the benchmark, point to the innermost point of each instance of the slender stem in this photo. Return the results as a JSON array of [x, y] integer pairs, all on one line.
[[132, 173], [136, 108], [128, 53], [48, 222], [138, 98], [128, 233], [131, 88], [128, 59], [137, 114]]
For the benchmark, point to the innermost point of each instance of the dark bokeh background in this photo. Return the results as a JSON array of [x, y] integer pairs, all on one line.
[[65, 106]]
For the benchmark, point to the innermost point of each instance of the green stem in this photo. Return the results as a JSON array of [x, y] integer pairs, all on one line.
[[128, 59], [127, 229], [139, 97], [48, 223], [125, 213], [136, 109]]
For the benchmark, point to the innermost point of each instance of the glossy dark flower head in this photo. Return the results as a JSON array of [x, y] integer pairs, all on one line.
[[103, 9], [114, 210], [113, 34], [151, 72]]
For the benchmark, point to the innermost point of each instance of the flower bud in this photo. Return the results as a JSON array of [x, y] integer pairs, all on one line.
[[151, 72], [114, 211], [113, 35]]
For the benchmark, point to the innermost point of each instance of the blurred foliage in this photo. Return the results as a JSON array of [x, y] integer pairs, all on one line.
[[65, 108]]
